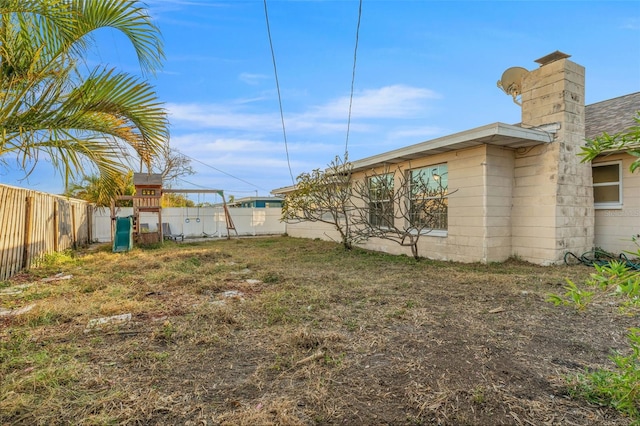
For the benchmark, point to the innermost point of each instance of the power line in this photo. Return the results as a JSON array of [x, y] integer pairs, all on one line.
[[193, 184], [216, 169], [353, 79], [275, 71], [225, 173], [209, 188]]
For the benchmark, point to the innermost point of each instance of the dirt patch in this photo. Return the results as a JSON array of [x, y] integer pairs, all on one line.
[[322, 336]]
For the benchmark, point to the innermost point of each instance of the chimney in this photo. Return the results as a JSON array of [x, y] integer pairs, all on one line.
[[552, 187]]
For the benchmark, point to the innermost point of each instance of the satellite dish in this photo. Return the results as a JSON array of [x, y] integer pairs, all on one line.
[[511, 82]]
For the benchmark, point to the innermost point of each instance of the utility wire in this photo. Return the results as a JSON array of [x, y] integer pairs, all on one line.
[[353, 79], [275, 71], [218, 170], [225, 173], [193, 184], [208, 187]]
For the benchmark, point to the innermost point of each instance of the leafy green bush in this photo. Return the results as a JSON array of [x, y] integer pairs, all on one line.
[[573, 296], [619, 388], [621, 279]]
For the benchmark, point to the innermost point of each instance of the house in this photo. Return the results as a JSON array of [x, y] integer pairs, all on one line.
[[521, 190], [257, 202]]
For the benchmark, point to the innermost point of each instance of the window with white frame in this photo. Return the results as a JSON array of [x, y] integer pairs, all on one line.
[[607, 185], [381, 200], [429, 197]]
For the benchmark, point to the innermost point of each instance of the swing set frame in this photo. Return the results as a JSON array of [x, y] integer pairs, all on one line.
[[229, 222]]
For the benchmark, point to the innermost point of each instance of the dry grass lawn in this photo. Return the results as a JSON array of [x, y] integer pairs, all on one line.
[[297, 332]]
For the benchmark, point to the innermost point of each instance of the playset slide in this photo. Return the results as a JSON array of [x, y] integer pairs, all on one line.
[[123, 238]]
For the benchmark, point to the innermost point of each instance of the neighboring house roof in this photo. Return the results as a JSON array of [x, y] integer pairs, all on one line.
[[611, 116], [250, 199], [239, 201]]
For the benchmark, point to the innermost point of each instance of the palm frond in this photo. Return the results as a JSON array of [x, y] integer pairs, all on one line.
[[129, 18], [48, 108]]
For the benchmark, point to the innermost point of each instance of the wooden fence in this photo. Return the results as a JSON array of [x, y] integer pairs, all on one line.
[[34, 223]]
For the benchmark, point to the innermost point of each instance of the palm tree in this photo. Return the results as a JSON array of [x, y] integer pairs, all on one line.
[[95, 190], [99, 119]]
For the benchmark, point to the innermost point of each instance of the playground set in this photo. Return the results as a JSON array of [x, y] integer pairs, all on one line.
[[147, 199]]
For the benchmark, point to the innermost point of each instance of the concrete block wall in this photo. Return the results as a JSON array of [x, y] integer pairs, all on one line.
[[467, 205], [499, 170], [480, 202], [467, 239], [552, 197]]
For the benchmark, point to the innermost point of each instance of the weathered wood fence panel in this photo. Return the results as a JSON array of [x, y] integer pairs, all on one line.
[[34, 223]]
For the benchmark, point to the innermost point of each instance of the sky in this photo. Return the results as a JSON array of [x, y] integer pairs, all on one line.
[[424, 69]]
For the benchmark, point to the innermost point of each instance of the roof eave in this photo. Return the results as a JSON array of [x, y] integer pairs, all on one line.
[[499, 134]]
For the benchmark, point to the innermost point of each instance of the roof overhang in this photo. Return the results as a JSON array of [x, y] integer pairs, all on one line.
[[497, 134]]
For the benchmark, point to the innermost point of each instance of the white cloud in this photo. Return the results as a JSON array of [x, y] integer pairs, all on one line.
[[239, 138], [214, 116], [397, 101], [390, 102], [418, 134], [207, 144], [631, 24], [252, 79]]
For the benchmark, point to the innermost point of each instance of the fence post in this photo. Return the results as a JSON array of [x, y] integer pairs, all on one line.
[[56, 230], [26, 247], [89, 212], [74, 229]]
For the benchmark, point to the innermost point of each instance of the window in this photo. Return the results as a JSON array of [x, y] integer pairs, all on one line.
[[607, 185], [429, 202], [381, 200]]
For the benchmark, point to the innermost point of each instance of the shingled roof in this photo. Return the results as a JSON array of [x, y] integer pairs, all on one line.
[[611, 116]]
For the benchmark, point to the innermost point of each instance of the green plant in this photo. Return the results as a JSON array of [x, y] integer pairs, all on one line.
[[573, 296], [478, 395], [351, 324], [620, 278], [56, 259], [54, 106], [271, 278], [619, 388], [324, 196], [168, 331], [333, 360], [625, 141]]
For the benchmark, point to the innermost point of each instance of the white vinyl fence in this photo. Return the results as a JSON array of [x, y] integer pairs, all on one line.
[[196, 222]]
